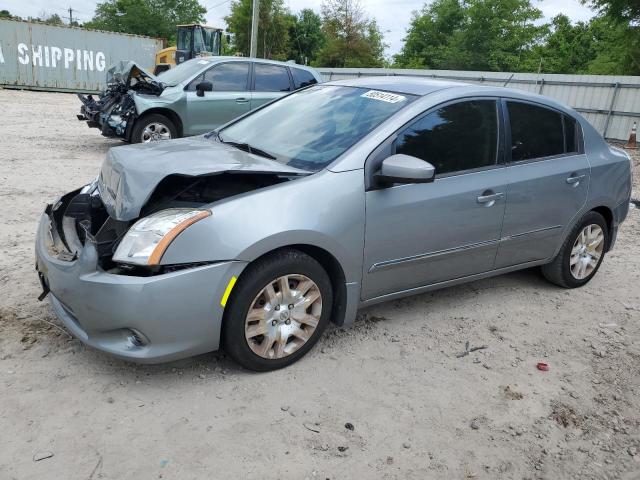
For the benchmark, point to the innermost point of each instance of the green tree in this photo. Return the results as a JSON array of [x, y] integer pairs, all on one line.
[[617, 48], [623, 10], [490, 35], [7, 14], [429, 36], [274, 26], [156, 18], [307, 37], [53, 19], [617, 36], [352, 39], [565, 48]]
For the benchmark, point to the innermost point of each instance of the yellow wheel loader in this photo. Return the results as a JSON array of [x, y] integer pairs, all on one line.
[[192, 41]]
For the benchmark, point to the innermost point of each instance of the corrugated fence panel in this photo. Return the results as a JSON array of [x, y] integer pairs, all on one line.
[[610, 103], [48, 57]]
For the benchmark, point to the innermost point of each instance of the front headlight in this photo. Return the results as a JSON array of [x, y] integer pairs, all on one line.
[[147, 240]]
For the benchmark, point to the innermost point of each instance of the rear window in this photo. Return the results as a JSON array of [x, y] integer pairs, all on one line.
[[271, 78], [302, 78], [536, 132]]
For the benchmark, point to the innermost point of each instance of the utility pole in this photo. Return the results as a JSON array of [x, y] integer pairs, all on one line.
[[253, 51], [70, 16]]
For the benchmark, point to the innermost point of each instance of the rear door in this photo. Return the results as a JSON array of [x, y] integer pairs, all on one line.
[[229, 99], [548, 181], [270, 81]]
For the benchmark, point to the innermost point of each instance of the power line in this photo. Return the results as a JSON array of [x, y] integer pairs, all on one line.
[[218, 4]]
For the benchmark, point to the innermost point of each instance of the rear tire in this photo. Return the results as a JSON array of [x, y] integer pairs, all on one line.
[[277, 311], [153, 127], [581, 254]]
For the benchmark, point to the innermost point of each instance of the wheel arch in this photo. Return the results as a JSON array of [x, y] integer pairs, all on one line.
[[167, 112], [607, 213], [333, 268]]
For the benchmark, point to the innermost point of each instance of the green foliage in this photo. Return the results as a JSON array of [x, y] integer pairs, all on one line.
[[619, 10], [53, 20], [471, 35], [7, 14], [307, 37], [616, 36], [616, 46], [565, 48], [504, 35], [274, 26], [352, 40], [156, 18]]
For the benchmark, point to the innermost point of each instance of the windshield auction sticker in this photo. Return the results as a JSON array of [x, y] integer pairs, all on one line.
[[384, 96]]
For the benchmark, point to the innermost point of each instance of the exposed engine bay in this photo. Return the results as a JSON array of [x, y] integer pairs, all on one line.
[[81, 216], [114, 111]]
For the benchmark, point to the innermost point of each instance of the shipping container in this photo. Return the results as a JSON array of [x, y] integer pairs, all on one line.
[[66, 59]]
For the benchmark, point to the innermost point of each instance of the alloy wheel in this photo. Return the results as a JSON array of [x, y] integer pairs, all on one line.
[[586, 252], [283, 316], [154, 132]]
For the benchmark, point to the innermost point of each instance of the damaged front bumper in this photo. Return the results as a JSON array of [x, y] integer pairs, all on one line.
[[114, 111], [145, 319]]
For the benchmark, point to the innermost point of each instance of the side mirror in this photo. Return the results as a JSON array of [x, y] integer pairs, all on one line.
[[400, 168], [203, 87]]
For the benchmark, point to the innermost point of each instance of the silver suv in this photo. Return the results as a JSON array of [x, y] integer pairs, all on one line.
[[190, 99]]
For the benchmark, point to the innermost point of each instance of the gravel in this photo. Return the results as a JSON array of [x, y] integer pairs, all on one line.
[[394, 375]]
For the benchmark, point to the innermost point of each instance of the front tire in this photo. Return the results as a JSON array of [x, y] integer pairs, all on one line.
[[581, 254], [277, 311], [153, 127]]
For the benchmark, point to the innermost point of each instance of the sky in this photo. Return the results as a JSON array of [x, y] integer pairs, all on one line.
[[393, 16]]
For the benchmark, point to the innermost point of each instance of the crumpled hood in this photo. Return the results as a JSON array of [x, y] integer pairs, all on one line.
[[124, 71], [130, 174]]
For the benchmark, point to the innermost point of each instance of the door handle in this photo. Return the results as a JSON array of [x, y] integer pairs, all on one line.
[[575, 179], [242, 100], [488, 198]]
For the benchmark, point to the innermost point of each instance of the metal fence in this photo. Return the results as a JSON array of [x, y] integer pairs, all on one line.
[[59, 58], [610, 103]]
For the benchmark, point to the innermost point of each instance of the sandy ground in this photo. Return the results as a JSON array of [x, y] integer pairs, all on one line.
[[387, 399]]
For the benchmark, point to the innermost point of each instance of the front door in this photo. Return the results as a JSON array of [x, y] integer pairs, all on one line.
[[423, 234], [229, 99], [548, 182]]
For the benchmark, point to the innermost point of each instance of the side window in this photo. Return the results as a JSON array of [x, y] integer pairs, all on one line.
[[228, 77], [456, 137], [302, 78], [271, 78], [536, 132], [192, 84], [570, 134]]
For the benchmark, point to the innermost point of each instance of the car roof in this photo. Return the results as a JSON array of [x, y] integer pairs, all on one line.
[[213, 59], [227, 58], [408, 85]]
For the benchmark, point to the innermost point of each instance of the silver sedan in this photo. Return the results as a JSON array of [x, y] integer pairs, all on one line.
[[254, 237]]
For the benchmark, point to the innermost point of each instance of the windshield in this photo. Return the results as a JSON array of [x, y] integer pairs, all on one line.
[[206, 40], [182, 72], [311, 128]]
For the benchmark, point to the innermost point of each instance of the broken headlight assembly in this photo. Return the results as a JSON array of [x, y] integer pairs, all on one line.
[[148, 239]]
